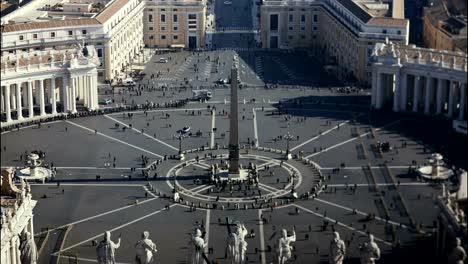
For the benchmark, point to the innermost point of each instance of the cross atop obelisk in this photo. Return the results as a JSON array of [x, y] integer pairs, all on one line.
[[234, 122]]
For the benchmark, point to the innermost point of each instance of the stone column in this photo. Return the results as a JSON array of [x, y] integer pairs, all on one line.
[[451, 98], [53, 95], [379, 92], [440, 86], [461, 114], [7, 103], [89, 92], [234, 126], [13, 252], [427, 97], [404, 92], [19, 108], [41, 98], [397, 92], [374, 88], [73, 95], [417, 80], [30, 100], [65, 94], [2, 101]]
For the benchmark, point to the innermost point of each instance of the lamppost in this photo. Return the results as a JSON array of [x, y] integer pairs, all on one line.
[[288, 138], [180, 137]]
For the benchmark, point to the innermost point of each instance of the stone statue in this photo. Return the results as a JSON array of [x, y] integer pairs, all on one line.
[[237, 246], [145, 249], [458, 253], [284, 249], [369, 251], [337, 249], [198, 246], [106, 249], [28, 249]]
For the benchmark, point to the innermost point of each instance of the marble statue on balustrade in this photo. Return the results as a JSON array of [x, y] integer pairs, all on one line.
[[369, 251], [284, 248], [197, 248], [237, 246], [457, 254], [105, 251], [28, 249], [337, 249], [145, 250]]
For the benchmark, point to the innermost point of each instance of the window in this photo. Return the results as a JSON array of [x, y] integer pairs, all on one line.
[[192, 22], [34, 36], [192, 26], [52, 34], [291, 18], [274, 22], [150, 28], [192, 16], [175, 28], [163, 9], [70, 33], [163, 18], [290, 37], [151, 37], [384, 31], [21, 37], [315, 28], [99, 53], [175, 37], [163, 28], [399, 32], [151, 9], [163, 36], [83, 32], [174, 18], [303, 18], [150, 18], [315, 18], [291, 28], [175, 9]]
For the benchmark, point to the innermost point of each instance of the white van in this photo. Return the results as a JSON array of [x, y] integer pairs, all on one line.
[[128, 82]]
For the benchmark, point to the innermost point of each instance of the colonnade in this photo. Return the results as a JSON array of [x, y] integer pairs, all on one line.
[[23, 100], [428, 94]]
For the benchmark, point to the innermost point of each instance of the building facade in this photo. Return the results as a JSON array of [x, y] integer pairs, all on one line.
[[116, 28], [407, 78], [342, 33], [17, 216]]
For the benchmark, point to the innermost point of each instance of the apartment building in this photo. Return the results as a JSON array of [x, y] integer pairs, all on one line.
[[342, 33]]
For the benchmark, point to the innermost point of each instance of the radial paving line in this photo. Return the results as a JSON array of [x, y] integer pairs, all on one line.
[[262, 237], [88, 184], [118, 140], [213, 122], [207, 230], [380, 184], [322, 134], [145, 134], [99, 215], [352, 139], [372, 167], [341, 224], [255, 127], [116, 228]]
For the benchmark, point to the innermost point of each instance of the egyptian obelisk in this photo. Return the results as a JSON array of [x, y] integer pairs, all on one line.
[[234, 123]]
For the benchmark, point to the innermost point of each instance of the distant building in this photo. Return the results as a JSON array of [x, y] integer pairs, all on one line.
[[340, 32], [16, 217], [445, 25]]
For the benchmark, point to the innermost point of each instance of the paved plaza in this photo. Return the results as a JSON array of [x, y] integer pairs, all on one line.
[[370, 192]]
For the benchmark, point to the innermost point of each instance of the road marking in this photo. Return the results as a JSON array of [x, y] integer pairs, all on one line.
[[352, 139], [115, 139], [207, 229], [88, 184], [115, 229], [213, 122], [361, 213], [341, 224], [381, 184], [145, 134], [255, 127], [324, 133], [97, 216], [262, 237], [268, 188]]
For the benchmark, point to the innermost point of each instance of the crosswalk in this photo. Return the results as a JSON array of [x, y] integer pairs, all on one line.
[[166, 79], [240, 49], [259, 66], [285, 69], [207, 69], [183, 67]]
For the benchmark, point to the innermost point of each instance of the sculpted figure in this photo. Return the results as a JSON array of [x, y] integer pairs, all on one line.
[[284, 249], [198, 246], [337, 249], [145, 249], [237, 246], [105, 251], [28, 249], [370, 252], [458, 253]]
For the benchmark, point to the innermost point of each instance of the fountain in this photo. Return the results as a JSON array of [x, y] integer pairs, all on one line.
[[436, 170], [33, 171]]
